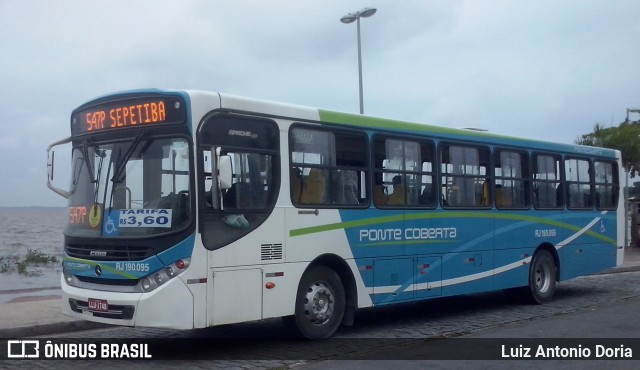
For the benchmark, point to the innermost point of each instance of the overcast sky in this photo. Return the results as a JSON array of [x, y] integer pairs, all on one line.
[[544, 69]]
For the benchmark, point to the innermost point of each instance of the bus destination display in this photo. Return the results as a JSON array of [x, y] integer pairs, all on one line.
[[128, 113]]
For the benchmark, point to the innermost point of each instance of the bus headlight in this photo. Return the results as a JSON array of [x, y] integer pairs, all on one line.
[[170, 272], [68, 278], [161, 276], [146, 284]]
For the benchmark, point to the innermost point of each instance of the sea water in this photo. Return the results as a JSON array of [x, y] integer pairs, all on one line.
[[38, 229]]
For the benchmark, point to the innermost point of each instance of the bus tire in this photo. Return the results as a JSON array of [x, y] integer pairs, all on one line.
[[542, 281], [320, 303], [543, 275]]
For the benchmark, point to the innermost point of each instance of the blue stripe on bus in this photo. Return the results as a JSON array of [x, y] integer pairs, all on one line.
[[492, 252]]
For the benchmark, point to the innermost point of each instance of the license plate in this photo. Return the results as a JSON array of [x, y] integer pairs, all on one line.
[[98, 305]]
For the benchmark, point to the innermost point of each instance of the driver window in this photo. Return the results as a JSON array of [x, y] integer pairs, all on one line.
[[230, 211]]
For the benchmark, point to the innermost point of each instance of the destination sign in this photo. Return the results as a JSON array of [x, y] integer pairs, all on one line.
[[129, 113]]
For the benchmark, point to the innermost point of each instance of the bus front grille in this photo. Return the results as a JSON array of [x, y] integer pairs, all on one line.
[[108, 252], [102, 281]]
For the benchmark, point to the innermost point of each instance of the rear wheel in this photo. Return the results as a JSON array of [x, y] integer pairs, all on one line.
[[543, 274], [542, 277], [320, 303]]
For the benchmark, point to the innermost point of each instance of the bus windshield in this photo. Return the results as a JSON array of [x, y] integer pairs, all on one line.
[[130, 188]]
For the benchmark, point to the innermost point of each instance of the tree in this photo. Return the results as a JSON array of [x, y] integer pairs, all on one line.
[[625, 138], [634, 190]]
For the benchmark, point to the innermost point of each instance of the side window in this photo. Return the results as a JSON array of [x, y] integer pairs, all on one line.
[[403, 173], [328, 168], [511, 179], [547, 188], [465, 179], [606, 185], [578, 180]]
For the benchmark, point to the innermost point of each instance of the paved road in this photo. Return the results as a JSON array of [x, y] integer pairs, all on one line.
[[388, 332], [585, 333]]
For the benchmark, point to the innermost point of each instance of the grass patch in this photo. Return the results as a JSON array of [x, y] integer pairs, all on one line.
[[25, 265]]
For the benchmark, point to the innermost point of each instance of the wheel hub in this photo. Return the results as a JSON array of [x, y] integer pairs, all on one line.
[[543, 274], [319, 303]]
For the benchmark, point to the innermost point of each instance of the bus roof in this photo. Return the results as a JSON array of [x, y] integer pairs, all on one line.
[[447, 133], [405, 127], [278, 109]]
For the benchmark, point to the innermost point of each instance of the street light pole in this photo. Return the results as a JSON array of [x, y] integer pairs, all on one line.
[[360, 68], [355, 17]]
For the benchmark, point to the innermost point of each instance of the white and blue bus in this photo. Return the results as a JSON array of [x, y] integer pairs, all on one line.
[[190, 209]]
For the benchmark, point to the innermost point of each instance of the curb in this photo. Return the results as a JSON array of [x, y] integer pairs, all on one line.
[[52, 328], [621, 269]]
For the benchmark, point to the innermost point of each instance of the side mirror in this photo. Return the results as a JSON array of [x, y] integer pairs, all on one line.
[[51, 168], [50, 162]]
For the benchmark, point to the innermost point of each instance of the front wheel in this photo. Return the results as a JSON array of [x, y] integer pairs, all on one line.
[[320, 303]]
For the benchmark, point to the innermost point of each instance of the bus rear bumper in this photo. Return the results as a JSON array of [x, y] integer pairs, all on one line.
[[169, 306]]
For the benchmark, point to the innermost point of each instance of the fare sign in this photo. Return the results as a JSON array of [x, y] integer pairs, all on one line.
[[127, 113]]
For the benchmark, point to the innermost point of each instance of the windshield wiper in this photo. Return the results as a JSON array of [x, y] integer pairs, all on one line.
[[85, 156], [120, 164]]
